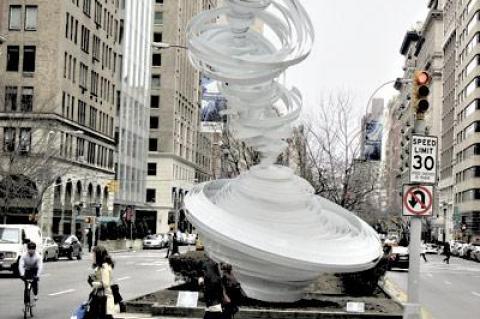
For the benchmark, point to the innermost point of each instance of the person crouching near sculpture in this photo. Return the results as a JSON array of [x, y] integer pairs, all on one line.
[[101, 298], [233, 292], [212, 290]]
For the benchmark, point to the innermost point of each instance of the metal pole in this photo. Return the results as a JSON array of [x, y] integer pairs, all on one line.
[[412, 308]]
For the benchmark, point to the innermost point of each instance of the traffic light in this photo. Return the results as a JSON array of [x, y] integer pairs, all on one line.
[[420, 91]]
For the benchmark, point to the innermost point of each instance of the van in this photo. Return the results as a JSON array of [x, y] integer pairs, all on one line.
[[13, 239]]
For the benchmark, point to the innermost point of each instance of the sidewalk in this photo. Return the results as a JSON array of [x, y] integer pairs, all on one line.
[[400, 296]]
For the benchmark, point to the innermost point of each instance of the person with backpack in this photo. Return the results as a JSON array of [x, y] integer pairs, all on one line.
[[232, 292]]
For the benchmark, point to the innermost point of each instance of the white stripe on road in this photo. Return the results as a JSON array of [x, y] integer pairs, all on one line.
[[447, 282], [476, 293], [45, 275], [162, 269], [429, 275], [123, 278], [62, 292]]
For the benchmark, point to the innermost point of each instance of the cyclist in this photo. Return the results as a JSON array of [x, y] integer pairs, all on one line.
[[30, 267]]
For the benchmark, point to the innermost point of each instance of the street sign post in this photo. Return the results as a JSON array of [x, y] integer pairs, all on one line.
[[417, 200], [423, 159]]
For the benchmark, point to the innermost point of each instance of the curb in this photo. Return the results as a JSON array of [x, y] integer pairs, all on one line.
[[400, 296]]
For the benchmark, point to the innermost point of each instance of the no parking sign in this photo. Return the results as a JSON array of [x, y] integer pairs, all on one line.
[[417, 200]]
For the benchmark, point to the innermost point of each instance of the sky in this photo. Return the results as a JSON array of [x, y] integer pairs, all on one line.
[[357, 44]]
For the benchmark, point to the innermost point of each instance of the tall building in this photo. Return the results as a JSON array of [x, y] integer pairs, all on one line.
[[59, 74], [422, 49], [446, 183], [133, 109], [174, 114], [466, 117]]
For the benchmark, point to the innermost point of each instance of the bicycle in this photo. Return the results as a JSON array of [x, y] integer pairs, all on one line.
[[27, 299]]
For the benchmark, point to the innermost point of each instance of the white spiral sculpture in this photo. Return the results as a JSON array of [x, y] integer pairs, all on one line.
[[267, 223]]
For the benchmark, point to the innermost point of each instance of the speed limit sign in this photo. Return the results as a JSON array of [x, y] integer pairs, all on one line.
[[423, 159]]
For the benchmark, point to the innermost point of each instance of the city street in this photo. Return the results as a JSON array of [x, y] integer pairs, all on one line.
[[446, 291], [64, 286]]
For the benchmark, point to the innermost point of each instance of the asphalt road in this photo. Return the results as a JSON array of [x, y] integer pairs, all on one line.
[[446, 291], [63, 285]]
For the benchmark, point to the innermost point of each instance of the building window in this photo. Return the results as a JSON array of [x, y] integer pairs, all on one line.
[[31, 18], [29, 59], [151, 195], [27, 99], [81, 112], [86, 6], [154, 122], [156, 59], [85, 39], [156, 81], [93, 118], [152, 169], [11, 96], [155, 101], [25, 140], [8, 139], [98, 13], [159, 1], [13, 58], [157, 37], [15, 22], [152, 144], [158, 18]]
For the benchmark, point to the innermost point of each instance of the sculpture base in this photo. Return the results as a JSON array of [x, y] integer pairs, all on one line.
[[276, 234]]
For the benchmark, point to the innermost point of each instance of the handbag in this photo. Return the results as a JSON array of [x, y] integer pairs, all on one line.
[[80, 312]]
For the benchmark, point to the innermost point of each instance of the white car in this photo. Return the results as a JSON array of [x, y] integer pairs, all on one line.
[[154, 242], [431, 249], [191, 239], [12, 244], [50, 249]]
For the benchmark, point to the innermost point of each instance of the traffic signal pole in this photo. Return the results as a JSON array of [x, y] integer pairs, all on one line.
[[420, 92], [412, 308]]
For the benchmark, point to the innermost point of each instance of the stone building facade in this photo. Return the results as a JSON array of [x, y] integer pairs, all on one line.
[[60, 71]]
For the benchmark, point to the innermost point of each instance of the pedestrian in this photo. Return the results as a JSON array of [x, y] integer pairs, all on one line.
[[170, 245], [423, 251], [89, 239], [213, 291], [175, 244], [102, 305], [447, 252], [232, 290]]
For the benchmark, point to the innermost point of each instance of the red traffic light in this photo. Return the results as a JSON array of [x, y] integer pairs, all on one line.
[[422, 78]]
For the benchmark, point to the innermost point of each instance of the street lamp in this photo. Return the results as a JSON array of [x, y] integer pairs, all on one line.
[[165, 45]]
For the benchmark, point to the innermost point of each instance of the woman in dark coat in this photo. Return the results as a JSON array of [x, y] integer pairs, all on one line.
[[232, 290], [212, 291], [447, 252]]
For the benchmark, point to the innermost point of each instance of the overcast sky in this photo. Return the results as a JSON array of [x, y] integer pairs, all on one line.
[[357, 44]]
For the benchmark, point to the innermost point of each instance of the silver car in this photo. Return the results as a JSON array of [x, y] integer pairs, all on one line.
[[50, 249]]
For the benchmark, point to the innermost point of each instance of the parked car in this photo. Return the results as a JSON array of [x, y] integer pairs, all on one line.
[[50, 249], [191, 239], [456, 247], [472, 250], [68, 246], [398, 258], [157, 241], [12, 244], [432, 249]]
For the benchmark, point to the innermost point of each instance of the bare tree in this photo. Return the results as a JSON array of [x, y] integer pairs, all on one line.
[[237, 157], [30, 160], [333, 151]]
